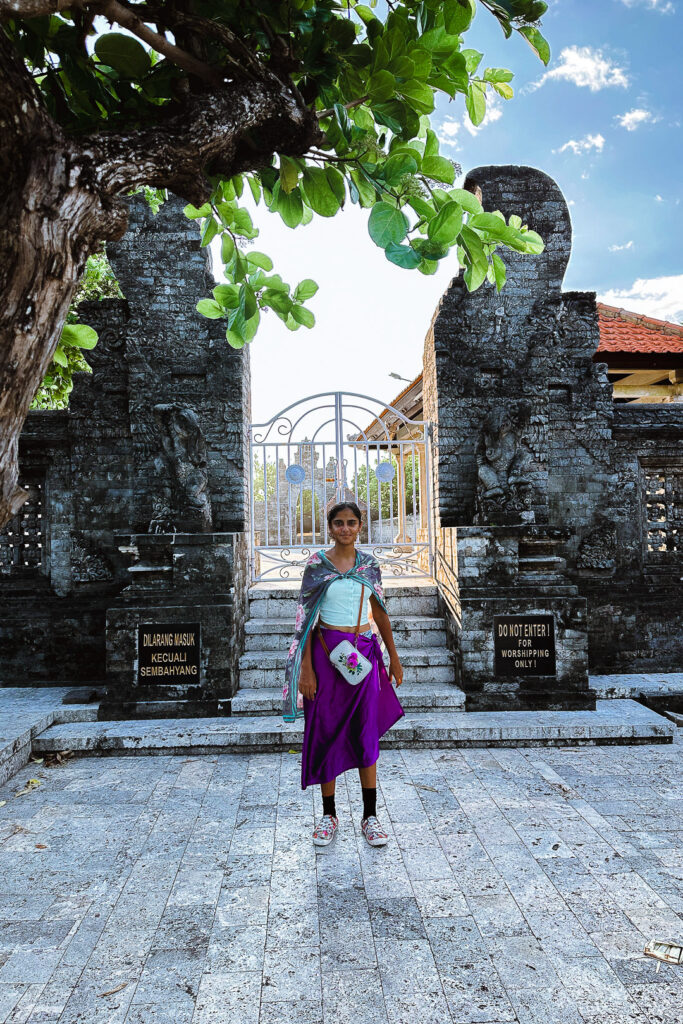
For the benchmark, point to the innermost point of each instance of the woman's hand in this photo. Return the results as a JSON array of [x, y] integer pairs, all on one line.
[[308, 684], [396, 670]]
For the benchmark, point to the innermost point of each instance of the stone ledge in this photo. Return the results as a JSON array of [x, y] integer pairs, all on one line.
[[616, 721]]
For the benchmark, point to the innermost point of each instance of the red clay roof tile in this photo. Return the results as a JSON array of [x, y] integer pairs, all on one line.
[[623, 331]]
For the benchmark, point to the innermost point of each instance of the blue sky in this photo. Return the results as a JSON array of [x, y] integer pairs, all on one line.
[[603, 119]]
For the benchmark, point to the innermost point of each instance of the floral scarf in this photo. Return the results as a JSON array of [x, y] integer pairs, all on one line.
[[319, 573]]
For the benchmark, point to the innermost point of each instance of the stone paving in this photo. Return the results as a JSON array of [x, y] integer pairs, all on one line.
[[519, 885]]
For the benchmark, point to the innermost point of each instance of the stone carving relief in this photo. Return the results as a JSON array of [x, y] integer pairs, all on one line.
[[87, 566], [598, 548], [184, 452], [504, 481]]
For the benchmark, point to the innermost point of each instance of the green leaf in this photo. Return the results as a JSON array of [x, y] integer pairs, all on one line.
[[277, 300], [207, 307], [387, 224], [498, 271], [78, 335], [476, 272], [421, 207], [439, 169], [428, 267], [305, 289], [366, 190], [289, 206], [227, 247], [475, 101], [472, 60], [318, 192], [276, 283], [397, 166], [335, 179], [59, 357], [227, 296], [259, 259], [289, 174], [494, 75], [303, 316], [536, 41], [458, 15], [402, 256], [419, 95], [124, 54], [445, 227], [381, 86], [193, 213], [431, 144], [504, 90], [467, 200], [255, 186], [533, 242], [234, 340], [210, 231]]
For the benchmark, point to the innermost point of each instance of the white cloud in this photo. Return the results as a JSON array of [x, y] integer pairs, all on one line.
[[583, 145], [621, 248], [660, 297], [663, 6], [447, 133], [493, 113], [659, 199], [585, 67], [632, 118]]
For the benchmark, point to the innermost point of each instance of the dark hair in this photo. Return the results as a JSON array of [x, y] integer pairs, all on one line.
[[342, 505]]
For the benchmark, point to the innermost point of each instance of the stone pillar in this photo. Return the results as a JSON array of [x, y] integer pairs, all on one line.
[[521, 417]]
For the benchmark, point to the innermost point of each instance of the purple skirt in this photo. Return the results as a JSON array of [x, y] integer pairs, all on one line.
[[344, 722]]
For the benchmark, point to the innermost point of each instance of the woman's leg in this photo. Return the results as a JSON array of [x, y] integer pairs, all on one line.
[[327, 790], [368, 782]]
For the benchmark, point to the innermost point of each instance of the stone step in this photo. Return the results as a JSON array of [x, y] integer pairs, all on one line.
[[542, 563], [278, 604], [413, 696], [414, 631], [614, 721], [260, 669]]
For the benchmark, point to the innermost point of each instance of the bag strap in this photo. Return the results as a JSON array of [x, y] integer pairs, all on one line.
[[357, 629]]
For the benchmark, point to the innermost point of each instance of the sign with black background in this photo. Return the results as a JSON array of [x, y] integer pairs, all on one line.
[[524, 645], [168, 652]]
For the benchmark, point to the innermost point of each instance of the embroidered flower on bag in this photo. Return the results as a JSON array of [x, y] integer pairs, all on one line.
[[352, 660]]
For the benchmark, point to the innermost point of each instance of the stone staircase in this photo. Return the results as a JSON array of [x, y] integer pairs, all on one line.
[[419, 632]]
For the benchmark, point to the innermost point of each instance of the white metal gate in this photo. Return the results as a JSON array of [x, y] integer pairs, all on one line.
[[331, 447]]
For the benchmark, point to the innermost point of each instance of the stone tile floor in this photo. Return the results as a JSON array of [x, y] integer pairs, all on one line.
[[520, 885]]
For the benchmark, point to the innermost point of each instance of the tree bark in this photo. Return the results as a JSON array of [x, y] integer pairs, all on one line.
[[63, 196]]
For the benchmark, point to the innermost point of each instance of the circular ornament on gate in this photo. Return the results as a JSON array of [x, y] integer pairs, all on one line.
[[385, 471], [295, 474]]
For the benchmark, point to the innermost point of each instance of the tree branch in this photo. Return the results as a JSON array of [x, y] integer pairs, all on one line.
[[123, 16], [30, 8], [347, 106], [235, 128]]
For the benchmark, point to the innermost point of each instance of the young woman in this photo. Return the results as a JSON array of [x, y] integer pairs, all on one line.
[[343, 721]]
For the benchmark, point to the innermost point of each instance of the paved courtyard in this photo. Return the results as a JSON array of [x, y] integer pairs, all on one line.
[[520, 885]]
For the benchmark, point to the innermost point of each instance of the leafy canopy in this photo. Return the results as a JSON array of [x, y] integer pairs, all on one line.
[[371, 80]]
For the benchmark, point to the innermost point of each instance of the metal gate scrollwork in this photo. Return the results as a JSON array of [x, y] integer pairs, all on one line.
[[331, 447]]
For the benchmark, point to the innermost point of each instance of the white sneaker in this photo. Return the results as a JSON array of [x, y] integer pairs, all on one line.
[[326, 829], [373, 831]]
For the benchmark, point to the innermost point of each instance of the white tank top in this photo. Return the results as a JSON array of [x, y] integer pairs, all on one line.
[[340, 604]]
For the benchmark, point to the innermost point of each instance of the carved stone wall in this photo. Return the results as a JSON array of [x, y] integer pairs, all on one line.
[[526, 432], [154, 440]]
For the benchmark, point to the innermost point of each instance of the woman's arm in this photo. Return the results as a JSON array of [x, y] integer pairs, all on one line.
[[308, 683], [384, 626]]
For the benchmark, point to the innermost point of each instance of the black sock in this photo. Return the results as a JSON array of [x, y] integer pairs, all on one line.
[[369, 801], [329, 806]]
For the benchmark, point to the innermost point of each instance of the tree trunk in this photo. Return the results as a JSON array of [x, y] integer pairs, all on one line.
[[63, 198]]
